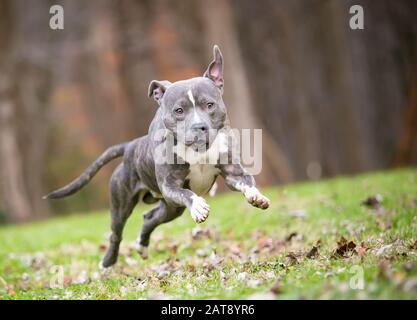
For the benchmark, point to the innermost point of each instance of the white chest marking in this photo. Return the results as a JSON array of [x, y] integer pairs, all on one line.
[[201, 177], [217, 150]]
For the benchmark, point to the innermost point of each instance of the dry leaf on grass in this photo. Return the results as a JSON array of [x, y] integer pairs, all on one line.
[[290, 236], [343, 248], [373, 202], [290, 259], [314, 252], [389, 247], [361, 249]]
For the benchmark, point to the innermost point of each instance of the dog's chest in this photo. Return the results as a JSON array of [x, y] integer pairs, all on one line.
[[201, 177]]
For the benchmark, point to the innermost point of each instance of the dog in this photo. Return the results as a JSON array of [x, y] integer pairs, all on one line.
[[193, 118]]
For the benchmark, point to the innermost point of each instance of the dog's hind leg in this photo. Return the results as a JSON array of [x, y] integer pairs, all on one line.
[[161, 214], [123, 197]]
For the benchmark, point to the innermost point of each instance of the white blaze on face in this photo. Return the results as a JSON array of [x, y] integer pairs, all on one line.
[[191, 98]]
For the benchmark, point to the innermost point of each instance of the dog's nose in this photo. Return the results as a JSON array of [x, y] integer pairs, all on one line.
[[199, 126]]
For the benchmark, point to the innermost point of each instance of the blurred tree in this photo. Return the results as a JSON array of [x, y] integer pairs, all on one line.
[[25, 79], [329, 94], [243, 112]]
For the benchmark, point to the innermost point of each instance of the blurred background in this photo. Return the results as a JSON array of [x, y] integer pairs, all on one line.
[[330, 100]]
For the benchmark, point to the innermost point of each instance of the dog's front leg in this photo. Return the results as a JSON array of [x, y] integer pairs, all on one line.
[[237, 179], [176, 195]]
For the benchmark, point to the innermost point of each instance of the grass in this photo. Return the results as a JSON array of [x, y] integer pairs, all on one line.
[[239, 252]]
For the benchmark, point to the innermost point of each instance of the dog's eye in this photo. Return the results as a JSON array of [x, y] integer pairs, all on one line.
[[179, 110], [210, 105]]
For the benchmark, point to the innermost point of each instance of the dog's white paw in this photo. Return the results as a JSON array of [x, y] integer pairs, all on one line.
[[256, 198], [199, 209], [102, 268], [143, 251]]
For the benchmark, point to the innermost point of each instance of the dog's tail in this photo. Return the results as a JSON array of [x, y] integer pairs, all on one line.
[[71, 188]]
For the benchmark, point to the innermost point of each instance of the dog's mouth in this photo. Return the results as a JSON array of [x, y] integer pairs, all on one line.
[[198, 145], [201, 148]]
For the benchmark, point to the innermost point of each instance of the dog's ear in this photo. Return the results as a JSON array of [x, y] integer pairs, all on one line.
[[157, 89], [215, 70]]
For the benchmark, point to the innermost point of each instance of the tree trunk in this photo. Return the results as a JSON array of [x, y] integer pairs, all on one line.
[[25, 90], [408, 134], [220, 29], [15, 198]]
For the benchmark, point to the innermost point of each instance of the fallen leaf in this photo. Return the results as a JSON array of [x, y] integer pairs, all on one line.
[[162, 274], [264, 243], [199, 233], [360, 250], [313, 252], [384, 249], [373, 202], [343, 247], [290, 259], [256, 234], [290, 236], [234, 249], [173, 248], [67, 281], [212, 261]]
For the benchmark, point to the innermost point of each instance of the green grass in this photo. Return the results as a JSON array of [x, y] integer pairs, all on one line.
[[242, 251]]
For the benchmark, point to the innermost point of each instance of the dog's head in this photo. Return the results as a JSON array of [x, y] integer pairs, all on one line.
[[193, 109]]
